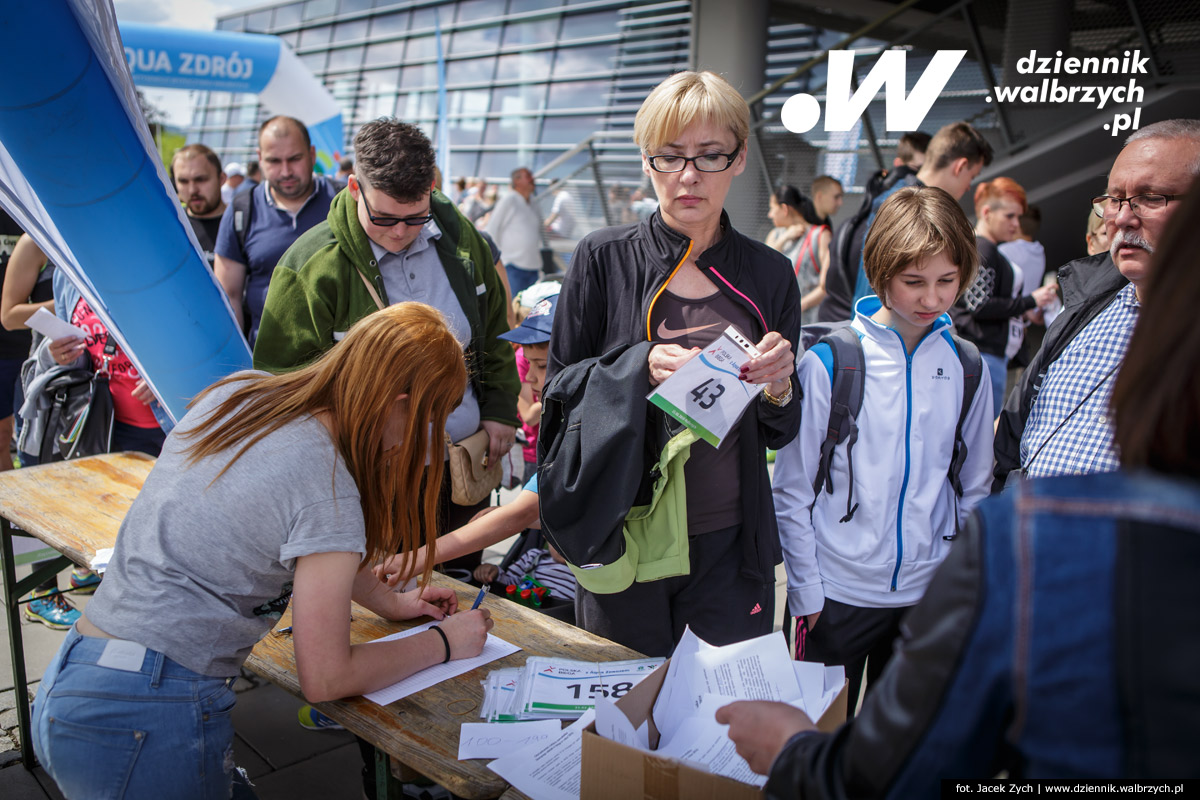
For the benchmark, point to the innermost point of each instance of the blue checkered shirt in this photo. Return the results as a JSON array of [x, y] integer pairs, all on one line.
[[1084, 445]]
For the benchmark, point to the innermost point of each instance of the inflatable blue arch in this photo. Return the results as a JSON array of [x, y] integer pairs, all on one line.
[[79, 173], [238, 62]]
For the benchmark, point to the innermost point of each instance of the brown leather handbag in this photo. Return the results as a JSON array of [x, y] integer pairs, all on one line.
[[470, 481]]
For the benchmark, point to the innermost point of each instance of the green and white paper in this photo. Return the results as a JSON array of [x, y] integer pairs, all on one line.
[[706, 394]]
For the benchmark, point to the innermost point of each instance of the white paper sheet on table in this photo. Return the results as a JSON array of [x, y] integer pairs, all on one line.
[[500, 695], [498, 739], [100, 561], [548, 771], [493, 649], [52, 327]]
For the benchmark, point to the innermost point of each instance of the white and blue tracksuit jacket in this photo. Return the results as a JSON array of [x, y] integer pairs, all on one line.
[[884, 556]]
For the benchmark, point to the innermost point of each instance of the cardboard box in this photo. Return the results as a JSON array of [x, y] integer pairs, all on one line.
[[612, 770]]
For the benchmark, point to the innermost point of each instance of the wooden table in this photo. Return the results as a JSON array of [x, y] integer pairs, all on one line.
[[421, 731], [77, 507]]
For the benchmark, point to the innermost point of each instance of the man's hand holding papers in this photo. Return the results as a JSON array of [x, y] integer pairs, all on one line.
[[694, 701], [760, 729]]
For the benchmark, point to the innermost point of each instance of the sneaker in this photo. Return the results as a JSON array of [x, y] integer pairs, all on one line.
[[313, 720], [52, 610], [84, 584]]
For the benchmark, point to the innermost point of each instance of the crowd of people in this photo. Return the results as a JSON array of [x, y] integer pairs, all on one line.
[[391, 321], [1017, 657]]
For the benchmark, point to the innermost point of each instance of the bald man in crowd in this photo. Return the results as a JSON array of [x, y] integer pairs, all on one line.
[[258, 226]]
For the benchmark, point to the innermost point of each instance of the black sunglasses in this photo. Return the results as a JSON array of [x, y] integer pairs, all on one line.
[[388, 222]]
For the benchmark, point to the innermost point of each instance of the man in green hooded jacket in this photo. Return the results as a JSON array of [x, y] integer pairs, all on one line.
[[390, 238]]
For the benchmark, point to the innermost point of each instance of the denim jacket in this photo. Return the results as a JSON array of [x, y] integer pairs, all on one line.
[[1060, 639]]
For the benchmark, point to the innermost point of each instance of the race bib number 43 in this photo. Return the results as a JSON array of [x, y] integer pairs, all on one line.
[[706, 394]]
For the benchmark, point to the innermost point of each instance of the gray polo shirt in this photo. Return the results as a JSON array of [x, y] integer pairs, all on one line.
[[416, 273]]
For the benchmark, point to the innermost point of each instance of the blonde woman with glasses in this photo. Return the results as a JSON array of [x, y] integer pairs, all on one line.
[[678, 279]]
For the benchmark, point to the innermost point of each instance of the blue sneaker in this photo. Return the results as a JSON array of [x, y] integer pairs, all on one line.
[[52, 610], [313, 720], [84, 584]]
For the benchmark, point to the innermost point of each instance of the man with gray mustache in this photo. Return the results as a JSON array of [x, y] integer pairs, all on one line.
[[1057, 420]]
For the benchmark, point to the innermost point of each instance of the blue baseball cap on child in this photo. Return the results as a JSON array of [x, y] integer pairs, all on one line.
[[536, 327]]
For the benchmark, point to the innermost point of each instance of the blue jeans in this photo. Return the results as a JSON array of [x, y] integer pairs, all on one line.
[[998, 372], [104, 732], [520, 279]]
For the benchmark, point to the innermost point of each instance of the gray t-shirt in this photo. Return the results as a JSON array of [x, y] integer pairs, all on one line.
[[200, 572]]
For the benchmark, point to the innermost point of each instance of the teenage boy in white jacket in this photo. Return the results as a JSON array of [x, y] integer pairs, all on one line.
[[851, 580]]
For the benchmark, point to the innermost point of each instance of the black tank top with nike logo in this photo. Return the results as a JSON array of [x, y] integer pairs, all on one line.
[[713, 480]]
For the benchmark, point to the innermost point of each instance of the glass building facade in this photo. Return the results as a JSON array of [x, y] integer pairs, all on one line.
[[529, 80], [526, 79]]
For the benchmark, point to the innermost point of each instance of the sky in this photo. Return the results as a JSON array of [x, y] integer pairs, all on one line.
[[195, 14]]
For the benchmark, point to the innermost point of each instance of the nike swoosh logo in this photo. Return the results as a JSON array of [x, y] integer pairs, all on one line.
[[666, 333]]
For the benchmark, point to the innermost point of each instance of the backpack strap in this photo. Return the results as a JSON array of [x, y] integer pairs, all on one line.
[[972, 367], [370, 289], [243, 213], [46, 446], [806, 248], [847, 382]]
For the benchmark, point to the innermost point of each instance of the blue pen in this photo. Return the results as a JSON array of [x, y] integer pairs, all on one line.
[[479, 599]]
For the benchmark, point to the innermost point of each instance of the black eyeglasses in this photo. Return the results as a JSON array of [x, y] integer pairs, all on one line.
[[709, 162], [1141, 204], [388, 222]]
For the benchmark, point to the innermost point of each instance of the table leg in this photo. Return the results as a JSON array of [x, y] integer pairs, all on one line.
[[13, 591], [386, 785], [16, 645]]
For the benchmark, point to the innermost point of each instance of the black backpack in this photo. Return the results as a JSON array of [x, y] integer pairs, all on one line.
[[845, 250], [243, 213], [78, 421], [847, 379]]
